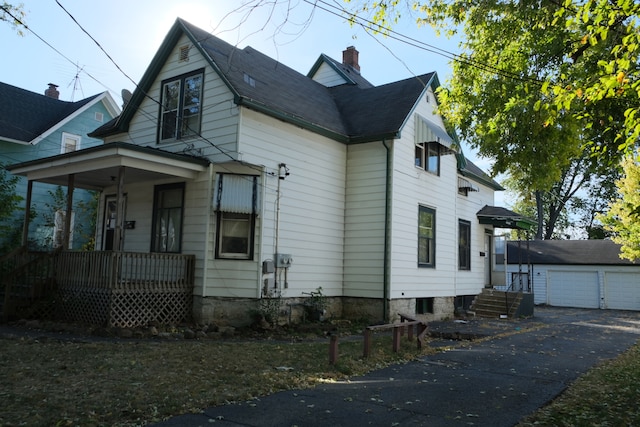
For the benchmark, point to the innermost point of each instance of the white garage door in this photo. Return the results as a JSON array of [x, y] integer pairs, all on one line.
[[622, 290], [574, 289]]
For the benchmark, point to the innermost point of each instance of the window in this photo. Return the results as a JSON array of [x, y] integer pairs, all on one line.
[[426, 237], [236, 202], [424, 305], [181, 107], [428, 156], [464, 245], [70, 143], [168, 202]]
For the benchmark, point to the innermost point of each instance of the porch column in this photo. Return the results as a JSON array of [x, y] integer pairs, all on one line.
[[118, 233], [27, 214], [67, 218]]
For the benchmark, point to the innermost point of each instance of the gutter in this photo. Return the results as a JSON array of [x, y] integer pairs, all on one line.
[[387, 232]]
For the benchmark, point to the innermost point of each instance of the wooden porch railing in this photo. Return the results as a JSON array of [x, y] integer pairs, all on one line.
[[125, 289]]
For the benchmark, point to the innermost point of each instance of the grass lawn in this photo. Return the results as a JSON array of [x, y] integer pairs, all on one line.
[[48, 382]]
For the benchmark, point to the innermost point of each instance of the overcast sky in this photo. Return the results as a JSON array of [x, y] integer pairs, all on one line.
[[293, 32]]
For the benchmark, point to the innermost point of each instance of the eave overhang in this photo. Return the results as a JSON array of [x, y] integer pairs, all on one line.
[[97, 167]]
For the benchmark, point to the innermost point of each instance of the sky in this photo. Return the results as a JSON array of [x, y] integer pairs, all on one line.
[[59, 48]]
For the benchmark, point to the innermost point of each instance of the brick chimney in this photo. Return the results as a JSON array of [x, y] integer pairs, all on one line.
[[350, 57], [52, 92]]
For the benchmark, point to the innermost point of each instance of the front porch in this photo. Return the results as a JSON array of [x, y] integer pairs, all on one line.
[[115, 289]]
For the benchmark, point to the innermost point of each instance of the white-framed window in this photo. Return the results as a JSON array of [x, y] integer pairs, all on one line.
[[70, 143], [181, 107], [428, 156], [236, 202], [426, 237]]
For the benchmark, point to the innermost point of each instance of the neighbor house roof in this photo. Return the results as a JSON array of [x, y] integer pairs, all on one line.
[[566, 252], [350, 113], [27, 117]]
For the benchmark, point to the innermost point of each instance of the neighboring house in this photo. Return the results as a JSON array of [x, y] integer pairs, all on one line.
[[35, 126], [575, 273], [280, 184]]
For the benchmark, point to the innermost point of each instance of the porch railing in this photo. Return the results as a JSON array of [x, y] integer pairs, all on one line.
[[125, 289]]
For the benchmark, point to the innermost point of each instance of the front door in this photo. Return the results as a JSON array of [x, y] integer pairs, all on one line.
[[109, 222]]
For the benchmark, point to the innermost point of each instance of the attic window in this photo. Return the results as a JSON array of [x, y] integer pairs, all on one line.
[[99, 117], [183, 56], [249, 80]]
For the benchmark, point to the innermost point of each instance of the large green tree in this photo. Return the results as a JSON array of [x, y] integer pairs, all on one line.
[[538, 82], [13, 14], [623, 216]]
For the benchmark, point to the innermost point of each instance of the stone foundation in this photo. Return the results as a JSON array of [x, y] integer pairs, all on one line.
[[443, 308], [240, 312]]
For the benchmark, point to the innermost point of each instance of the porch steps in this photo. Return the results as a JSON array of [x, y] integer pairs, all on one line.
[[491, 303]]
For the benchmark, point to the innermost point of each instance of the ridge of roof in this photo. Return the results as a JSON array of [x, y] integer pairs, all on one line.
[[25, 115], [281, 92]]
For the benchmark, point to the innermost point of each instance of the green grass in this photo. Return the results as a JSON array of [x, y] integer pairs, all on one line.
[[124, 383], [607, 395]]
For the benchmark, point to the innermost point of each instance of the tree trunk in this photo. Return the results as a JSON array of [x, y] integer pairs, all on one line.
[[540, 212]]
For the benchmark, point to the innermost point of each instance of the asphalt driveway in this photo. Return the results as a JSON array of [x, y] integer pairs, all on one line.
[[518, 367]]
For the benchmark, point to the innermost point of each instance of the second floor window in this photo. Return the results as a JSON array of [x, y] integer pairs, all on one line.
[[181, 107], [428, 156], [70, 143]]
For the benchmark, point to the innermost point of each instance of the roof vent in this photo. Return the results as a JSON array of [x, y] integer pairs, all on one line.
[[183, 56]]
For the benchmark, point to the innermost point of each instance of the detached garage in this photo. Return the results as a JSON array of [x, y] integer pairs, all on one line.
[[576, 273]]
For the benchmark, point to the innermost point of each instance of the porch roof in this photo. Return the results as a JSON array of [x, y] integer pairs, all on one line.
[[97, 167], [504, 218]]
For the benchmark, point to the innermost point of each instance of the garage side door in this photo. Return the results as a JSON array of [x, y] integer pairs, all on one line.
[[622, 290], [574, 289]]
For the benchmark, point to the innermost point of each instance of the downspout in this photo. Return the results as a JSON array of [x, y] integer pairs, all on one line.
[[387, 232]]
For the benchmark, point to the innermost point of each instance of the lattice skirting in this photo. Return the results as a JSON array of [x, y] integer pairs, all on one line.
[[125, 308]]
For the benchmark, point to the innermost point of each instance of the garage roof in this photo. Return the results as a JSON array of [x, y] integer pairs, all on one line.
[[566, 252]]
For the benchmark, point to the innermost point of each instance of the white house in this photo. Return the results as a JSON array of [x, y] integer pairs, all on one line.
[[277, 183]]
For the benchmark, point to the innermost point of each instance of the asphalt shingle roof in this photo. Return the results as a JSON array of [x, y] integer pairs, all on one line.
[[349, 113], [566, 252], [24, 115]]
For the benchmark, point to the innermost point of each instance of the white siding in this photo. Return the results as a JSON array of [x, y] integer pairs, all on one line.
[[328, 76], [312, 205], [469, 282], [364, 220], [413, 187], [219, 113]]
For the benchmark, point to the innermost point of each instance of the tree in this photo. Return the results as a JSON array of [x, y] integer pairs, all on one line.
[[529, 88], [9, 204], [14, 15], [623, 217]]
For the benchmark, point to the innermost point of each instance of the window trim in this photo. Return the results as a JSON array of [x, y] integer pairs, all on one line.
[[179, 118], [63, 143], [431, 262], [462, 224], [154, 212], [248, 256], [422, 156]]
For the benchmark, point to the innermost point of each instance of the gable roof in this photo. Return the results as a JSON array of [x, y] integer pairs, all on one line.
[[350, 113], [347, 72], [470, 170], [28, 117], [567, 252]]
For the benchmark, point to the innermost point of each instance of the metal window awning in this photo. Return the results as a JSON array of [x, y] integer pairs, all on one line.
[[427, 131], [465, 184], [504, 218]]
